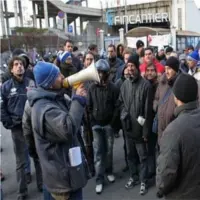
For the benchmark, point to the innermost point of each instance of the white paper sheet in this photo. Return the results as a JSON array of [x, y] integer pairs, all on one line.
[[75, 158]]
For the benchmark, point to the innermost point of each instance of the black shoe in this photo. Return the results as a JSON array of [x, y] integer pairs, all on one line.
[[40, 188], [28, 178], [23, 197]]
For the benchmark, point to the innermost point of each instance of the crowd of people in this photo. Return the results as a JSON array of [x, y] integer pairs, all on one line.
[[152, 98]]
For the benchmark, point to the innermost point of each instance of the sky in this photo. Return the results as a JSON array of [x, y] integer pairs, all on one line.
[[27, 7]]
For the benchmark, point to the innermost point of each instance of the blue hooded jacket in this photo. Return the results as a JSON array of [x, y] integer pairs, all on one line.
[[13, 99]]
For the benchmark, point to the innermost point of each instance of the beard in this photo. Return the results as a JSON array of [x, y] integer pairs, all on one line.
[[112, 59]]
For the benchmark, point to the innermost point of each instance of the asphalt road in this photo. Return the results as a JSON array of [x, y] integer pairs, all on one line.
[[115, 191]]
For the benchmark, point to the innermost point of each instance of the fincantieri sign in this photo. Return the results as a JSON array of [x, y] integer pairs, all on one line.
[[135, 19]]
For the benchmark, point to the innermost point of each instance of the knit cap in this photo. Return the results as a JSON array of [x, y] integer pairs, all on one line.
[[185, 88], [173, 63], [45, 74], [193, 56]]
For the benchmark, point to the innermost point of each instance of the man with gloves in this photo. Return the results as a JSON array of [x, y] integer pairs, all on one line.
[[56, 123], [136, 110], [178, 174], [102, 99]]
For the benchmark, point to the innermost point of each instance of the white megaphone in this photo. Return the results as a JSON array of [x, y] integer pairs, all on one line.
[[88, 74]]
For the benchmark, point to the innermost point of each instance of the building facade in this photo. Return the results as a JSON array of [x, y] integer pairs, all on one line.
[[179, 17]]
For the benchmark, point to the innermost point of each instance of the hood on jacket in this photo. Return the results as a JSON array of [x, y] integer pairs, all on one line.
[[36, 94]]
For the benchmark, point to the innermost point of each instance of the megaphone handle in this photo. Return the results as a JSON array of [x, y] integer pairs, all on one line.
[[66, 83]]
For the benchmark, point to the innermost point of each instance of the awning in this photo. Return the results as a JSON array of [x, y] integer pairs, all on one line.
[[187, 33], [145, 31]]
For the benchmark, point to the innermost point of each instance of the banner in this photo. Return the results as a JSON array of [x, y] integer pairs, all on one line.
[[131, 41], [159, 40]]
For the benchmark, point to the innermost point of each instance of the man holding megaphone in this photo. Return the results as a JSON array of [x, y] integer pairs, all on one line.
[[56, 122]]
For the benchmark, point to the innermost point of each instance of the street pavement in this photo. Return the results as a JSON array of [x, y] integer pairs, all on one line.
[[114, 191]]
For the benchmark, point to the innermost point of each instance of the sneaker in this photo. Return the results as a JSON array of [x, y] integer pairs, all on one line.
[[131, 183], [40, 188], [143, 189], [111, 178], [99, 188]]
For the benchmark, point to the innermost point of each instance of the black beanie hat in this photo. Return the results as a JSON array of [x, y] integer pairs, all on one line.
[[185, 88], [134, 60], [173, 63], [139, 44], [169, 49]]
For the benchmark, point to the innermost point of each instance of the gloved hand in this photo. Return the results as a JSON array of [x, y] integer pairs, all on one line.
[[159, 194]]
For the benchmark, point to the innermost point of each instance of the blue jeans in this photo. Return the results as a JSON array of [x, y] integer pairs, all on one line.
[[28, 161], [133, 151], [46, 194], [103, 151], [78, 195], [20, 155], [1, 194]]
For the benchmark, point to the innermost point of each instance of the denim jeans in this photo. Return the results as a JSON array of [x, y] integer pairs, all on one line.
[[46, 194], [77, 195], [125, 149], [28, 161], [133, 149], [103, 151], [20, 155], [38, 172], [1, 195]]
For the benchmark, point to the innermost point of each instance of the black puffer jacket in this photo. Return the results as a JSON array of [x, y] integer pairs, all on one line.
[[136, 100], [102, 103], [178, 170]]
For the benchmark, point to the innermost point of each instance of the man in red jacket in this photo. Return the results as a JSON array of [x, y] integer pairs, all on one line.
[[150, 59]]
